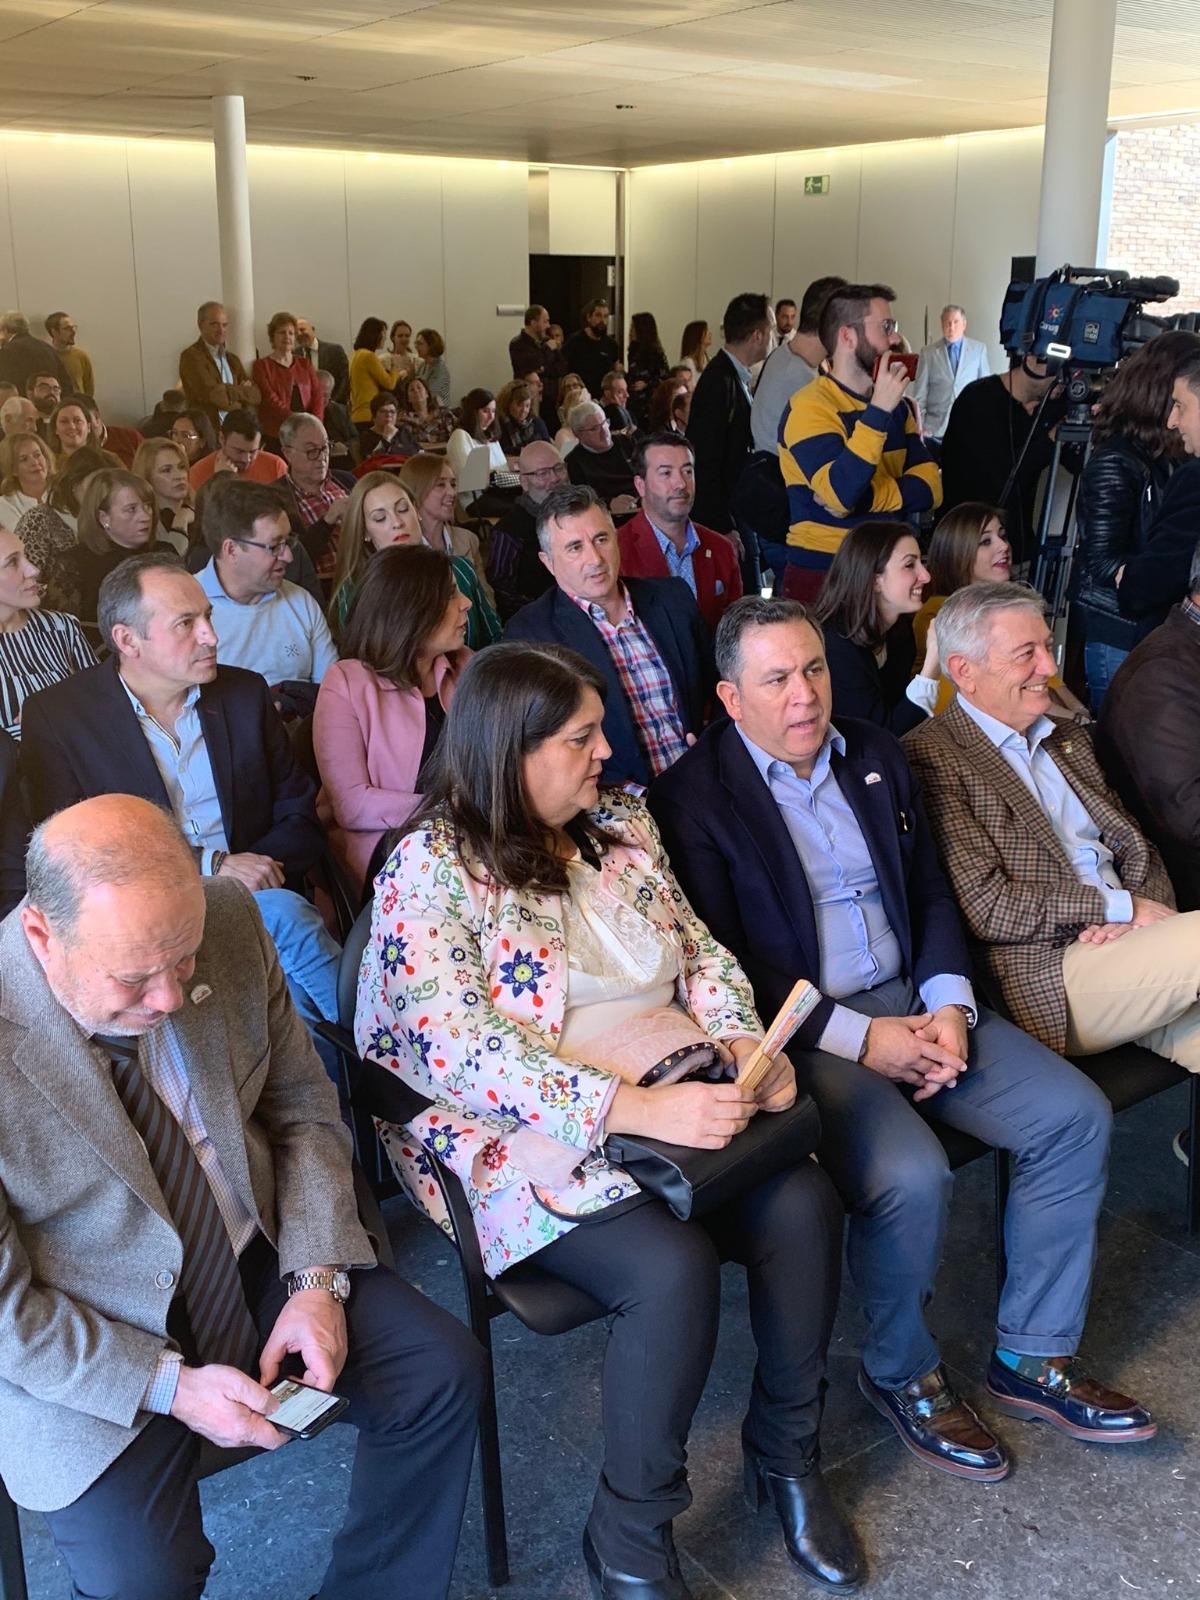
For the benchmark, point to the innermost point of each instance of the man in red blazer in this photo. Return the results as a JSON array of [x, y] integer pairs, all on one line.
[[662, 541]]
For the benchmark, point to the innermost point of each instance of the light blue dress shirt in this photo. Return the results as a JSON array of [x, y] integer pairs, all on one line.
[[954, 351], [680, 563], [221, 356], [743, 373], [181, 757], [1076, 832], [859, 949]]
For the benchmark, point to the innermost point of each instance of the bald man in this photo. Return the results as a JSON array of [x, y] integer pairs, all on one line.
[[18, 415], [178, 1227], [515, 570]]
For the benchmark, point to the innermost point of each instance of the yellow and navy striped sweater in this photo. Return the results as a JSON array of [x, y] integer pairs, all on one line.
[[863, 463]]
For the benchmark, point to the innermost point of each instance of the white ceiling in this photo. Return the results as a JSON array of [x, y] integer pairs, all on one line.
[[541, 80]]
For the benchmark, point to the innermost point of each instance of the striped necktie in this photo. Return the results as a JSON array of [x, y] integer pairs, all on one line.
[[210, 1283]]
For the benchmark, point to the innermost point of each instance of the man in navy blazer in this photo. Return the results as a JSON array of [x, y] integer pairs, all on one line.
[[162, 720], [805, 849], [646, 636]]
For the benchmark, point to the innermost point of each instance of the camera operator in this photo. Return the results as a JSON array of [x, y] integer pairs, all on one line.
[[989, 425], [1120, 498]]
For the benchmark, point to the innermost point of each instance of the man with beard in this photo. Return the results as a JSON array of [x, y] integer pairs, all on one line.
[[850, 448]]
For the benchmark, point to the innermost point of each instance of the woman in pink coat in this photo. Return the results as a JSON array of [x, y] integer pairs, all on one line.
[[381, 708]]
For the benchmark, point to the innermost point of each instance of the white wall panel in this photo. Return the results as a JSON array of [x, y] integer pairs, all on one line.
[[173, 212], [583, 212], [298, 237], [394, 226], [485, 244], [995, 218], [815, 235], [661, 264], [734, 235], [906, 227], [73, 247]]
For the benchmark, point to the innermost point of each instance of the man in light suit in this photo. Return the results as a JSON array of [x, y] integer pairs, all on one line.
[[177, 1224], [945, 369]]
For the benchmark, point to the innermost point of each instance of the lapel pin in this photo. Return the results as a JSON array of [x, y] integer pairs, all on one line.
[[872, 777], [708, 554], [200, 994]]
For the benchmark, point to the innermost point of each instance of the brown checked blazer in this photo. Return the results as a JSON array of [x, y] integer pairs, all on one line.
[[89, 1256], [1016, 888], [201, 380]]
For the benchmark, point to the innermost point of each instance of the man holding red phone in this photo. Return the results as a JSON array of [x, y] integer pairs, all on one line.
[[850, 444]]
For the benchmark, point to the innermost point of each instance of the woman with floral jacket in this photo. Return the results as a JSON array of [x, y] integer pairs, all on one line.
[[525, 929]]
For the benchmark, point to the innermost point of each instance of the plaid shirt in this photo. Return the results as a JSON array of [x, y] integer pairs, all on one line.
[[646, 682], [1190, 610], [311, 508]]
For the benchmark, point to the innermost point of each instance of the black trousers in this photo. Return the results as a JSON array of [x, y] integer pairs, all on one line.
[[660, 1278], [414, 1378]]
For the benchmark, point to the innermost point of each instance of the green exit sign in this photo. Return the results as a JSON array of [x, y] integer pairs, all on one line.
[[818, 184]]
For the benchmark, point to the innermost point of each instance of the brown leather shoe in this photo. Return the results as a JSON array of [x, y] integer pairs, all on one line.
[[939, 1427]]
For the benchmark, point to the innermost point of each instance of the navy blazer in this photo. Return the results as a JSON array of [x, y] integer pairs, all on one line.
[[672, 618], [13, 828], [734, 858], [81, 738], [719, 431]]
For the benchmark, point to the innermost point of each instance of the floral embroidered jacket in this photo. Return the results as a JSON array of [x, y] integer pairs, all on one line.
[[462, 992]]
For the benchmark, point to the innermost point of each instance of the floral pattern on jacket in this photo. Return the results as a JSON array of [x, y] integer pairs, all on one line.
[[462, 992]]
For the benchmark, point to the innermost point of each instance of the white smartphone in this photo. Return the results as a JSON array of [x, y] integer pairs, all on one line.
[[303, 1411]]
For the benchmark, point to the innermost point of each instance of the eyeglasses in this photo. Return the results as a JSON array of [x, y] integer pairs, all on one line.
[[274, 550], [547, 474], [316, 452]]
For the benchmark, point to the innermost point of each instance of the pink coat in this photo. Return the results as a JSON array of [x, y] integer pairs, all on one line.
[[368, 736]]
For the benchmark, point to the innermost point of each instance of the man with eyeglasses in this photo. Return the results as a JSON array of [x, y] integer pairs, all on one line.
[[240, 453], [850, 448], [599, 461], [514, 566], [263, 622], [317, 493]]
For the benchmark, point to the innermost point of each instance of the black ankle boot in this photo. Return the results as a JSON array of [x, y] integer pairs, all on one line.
[[818, 1539], [610, 1585]]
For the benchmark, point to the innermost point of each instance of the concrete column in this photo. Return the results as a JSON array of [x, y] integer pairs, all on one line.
[[1081, 49], [233, 221]]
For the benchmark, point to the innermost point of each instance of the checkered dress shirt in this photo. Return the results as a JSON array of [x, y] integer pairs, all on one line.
[[646, 682], [311, 508]]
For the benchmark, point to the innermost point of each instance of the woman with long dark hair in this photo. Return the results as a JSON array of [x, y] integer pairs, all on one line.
[[871, 593], [528, 944], [381, 708], [478, 426], [645, 363], [693, 348], [1120, 496]]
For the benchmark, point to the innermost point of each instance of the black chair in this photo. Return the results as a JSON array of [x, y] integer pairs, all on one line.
[[212, 1459], [325, 874]]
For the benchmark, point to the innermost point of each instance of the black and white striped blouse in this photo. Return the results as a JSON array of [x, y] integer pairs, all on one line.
[[49, 648]]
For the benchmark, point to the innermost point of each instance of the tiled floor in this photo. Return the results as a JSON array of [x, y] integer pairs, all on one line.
[[1072, 1521]]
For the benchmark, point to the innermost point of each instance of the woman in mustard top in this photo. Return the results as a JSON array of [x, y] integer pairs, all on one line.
[[368, 375]]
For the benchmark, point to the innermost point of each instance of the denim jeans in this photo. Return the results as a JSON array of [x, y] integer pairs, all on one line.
[[307, 954], [1100, 663]]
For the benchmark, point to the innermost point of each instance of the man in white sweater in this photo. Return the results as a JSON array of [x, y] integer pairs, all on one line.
[[263, 622]]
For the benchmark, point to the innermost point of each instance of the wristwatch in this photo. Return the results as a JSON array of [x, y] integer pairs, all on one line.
[[337, 1282]]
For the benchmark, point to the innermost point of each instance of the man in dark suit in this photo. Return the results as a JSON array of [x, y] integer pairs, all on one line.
[[162, 720], [719, 420], [527, 349], [592, 350], [179, 1224], [645, 635], [323, 353], [22, 354], [805, 849], [1146, 740]]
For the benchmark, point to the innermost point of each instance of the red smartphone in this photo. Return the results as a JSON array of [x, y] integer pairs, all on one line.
[[897, 358]]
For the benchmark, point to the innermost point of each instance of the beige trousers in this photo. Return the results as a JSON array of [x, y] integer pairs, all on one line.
[[1144, 986]]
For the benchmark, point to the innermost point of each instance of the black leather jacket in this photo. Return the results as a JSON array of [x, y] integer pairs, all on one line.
[[1120, 493]]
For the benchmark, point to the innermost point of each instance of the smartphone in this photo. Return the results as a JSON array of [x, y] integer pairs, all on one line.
[[304, 1411], [897, 358]]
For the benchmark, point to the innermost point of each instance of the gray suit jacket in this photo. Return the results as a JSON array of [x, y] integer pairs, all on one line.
[[88, 1255], [936, 386]]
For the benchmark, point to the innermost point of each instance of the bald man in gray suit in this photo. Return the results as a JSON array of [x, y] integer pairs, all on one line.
[[178, 1227]]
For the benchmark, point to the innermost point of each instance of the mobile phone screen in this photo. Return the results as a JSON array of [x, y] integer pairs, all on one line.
[[300, 1407]]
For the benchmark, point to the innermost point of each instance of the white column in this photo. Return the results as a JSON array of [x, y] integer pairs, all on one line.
[[233, 221], [1081, 49]]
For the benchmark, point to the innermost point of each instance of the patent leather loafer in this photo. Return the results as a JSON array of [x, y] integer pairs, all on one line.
[[1067, 1398], [818, 1539], [939, 1427], [608, 1584]]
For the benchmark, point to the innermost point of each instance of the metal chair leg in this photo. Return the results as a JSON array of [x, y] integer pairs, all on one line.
[[12, 1557], [1193, 1171], [1003, 1174]]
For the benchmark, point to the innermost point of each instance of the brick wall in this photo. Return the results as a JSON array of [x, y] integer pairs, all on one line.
[[1155, 223]]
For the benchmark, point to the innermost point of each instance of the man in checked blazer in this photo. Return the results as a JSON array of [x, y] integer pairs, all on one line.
[[105, 1396], [1069, 905]]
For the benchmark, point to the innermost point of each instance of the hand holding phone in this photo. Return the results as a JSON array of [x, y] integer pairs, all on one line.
[[893, 374], [303, 1411]]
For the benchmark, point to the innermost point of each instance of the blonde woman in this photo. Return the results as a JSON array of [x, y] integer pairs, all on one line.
[[26, 467], [164, 466], [434, 488], [380, 512]]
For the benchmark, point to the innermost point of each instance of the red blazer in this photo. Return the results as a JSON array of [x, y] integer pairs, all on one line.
[[277, 382], [718, 577]]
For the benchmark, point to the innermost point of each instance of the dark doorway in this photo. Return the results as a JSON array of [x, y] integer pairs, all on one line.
[[564, 285]]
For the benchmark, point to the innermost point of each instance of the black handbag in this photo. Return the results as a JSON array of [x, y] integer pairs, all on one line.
[[695, 1182]]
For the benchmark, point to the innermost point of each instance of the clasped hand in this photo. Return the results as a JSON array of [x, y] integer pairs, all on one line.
[[230, 1408], [928, 1051], [702, 1116]]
